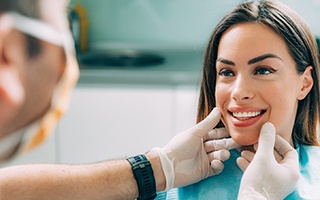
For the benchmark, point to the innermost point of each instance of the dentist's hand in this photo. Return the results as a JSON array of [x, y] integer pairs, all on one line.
[[184, 159], [264, 177], [217, 143]]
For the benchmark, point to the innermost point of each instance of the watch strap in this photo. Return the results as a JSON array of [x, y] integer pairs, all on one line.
[[143, 173]]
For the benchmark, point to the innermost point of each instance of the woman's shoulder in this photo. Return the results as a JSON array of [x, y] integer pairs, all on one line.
[[309, 181], [309, 149], [309, 158]]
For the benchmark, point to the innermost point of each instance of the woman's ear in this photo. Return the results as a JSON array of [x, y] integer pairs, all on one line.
[[307, 83]]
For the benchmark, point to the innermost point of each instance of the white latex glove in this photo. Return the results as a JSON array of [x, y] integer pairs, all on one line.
[[184, 159], [264, 177], [217, 143]]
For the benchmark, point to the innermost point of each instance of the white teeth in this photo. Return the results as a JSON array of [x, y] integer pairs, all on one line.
[[246, 114]]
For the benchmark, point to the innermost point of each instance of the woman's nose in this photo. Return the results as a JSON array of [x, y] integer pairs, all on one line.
[[242, 89]]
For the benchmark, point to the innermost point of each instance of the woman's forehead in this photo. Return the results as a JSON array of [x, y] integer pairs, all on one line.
[[254, 38]]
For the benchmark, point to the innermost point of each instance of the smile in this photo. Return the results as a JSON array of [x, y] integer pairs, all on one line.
[[246, 115]]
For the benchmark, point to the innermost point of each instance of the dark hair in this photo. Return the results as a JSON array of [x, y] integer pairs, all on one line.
[[301, 45], [28, 8]]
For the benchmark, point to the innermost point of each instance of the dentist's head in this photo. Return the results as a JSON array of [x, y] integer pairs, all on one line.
[[37, 71]]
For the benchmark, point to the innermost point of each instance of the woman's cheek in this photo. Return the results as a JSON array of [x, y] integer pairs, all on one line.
[[219, 97]]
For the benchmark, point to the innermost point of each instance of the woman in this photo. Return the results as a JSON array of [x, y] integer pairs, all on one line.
[[261, 65]]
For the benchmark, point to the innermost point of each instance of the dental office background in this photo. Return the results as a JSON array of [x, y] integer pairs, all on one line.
[[121, 111], [169, 23]]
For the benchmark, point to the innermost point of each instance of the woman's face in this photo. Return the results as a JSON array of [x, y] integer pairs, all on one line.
[[257, 82]]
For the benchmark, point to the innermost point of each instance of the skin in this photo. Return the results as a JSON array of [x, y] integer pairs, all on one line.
[[106, 180], [25, 94], [255, 73]]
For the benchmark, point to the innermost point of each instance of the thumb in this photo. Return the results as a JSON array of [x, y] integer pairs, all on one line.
[[289, 154], [203, 127], [266, 139]]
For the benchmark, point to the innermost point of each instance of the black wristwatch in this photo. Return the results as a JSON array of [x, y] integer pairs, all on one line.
[[143, 173]]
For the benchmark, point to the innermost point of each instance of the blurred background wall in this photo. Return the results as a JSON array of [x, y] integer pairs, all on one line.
[[170, 23]]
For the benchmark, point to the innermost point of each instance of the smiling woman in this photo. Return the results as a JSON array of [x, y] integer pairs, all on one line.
[[294, 51], [261, 65], [263, 71]]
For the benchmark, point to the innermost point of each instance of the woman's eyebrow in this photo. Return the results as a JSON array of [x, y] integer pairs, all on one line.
[[262, 57], [252, 61], [225, 61]]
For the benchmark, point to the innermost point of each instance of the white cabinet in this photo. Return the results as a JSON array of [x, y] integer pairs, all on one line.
[[185, 104], [115, 121], [44, 153]]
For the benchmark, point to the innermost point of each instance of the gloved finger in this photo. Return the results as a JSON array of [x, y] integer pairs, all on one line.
[[219, 155], [242, 163], [266, 140], [217, 133], [214, 145], [255, 146], [248, 155], [281, 148], [276, 154], [290, 156], [217, 167], [245, 159], [203, 127]]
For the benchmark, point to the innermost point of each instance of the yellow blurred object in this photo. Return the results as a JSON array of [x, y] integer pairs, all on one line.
[[83, 32]]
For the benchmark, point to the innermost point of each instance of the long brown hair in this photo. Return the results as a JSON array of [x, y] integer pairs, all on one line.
[[301, 45]]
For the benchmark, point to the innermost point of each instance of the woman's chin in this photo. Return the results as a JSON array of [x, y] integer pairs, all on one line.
[[244, 141]]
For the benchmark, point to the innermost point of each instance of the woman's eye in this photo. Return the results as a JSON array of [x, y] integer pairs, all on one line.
[[264, 71], [226, 72]]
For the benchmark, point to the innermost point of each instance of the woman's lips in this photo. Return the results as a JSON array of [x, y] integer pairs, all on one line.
[[243, 119]]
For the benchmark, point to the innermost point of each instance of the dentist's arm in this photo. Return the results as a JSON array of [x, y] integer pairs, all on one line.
[[114, 179], [264, 177]]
